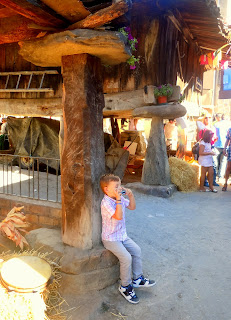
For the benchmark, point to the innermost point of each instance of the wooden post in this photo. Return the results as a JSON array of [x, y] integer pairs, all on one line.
[[83, 157]]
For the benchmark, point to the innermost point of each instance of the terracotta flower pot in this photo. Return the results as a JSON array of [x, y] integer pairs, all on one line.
[[162, 99]]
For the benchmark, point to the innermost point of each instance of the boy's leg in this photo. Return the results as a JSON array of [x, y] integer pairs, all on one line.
[[138, 278], [125, 259], [135, 252]]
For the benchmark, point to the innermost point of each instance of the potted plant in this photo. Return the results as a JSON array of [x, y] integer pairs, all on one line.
[[163, 92]]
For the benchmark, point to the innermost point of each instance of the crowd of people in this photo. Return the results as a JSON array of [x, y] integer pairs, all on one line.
[[214, 149]]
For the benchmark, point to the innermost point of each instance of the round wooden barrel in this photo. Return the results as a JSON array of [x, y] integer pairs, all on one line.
[[25, 274]]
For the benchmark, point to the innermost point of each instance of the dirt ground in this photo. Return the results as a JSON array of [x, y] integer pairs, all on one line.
[[186, 243]]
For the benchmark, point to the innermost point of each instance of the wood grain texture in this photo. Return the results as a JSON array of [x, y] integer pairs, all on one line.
[[82, 157]]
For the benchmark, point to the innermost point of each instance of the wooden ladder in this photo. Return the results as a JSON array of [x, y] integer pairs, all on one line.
[[27, 73]]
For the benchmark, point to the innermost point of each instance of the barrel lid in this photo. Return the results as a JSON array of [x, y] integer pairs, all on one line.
[[25, 272]]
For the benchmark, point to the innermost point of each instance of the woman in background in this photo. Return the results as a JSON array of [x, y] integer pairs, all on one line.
[[206, 161]]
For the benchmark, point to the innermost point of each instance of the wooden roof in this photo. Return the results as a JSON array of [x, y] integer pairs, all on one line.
[[28, 19], [201, 19]]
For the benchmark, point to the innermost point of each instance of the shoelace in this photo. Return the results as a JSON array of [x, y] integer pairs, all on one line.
[[131, 292]]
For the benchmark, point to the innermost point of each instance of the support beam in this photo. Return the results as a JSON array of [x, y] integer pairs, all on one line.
[[32, 107], [36, 11], [102, 17], [16, 28], [83, 158], [7, 12], [72, 10]]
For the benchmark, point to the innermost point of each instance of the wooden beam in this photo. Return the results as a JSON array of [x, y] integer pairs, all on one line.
[[72, 10], [36, 11], [118, 104], [28, 73], [102, 17], [32, 107], [14, 29], [7, 12], [27, 90]]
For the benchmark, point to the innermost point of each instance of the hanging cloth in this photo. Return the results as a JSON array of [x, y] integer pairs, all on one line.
[[203, 59]]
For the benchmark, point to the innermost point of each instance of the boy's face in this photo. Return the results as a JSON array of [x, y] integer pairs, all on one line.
[[113, 189]]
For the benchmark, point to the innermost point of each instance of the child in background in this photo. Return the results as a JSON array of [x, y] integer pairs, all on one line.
[[115, 239], [206, 161]]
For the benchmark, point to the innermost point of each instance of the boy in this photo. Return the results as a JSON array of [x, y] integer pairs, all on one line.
[[115, 239]]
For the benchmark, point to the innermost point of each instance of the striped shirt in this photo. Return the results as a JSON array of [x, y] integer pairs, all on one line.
[[113, 229]]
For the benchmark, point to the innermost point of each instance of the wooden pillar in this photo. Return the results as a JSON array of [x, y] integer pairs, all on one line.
[[156, 167], [83, 158]]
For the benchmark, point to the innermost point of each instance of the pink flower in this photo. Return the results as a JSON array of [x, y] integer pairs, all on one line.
[[132, 67]]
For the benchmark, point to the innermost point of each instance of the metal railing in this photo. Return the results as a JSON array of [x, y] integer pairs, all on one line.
[[30, 177]]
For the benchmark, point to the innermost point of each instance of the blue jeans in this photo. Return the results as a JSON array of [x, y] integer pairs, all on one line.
[[129, 255]]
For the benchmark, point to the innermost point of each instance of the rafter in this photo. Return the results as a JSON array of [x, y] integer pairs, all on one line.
[[16, 28], [36, 11], [7, 12], [72, 10], [101, 17]]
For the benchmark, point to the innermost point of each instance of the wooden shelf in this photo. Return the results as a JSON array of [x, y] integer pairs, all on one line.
[[28, 73], [27, 90]]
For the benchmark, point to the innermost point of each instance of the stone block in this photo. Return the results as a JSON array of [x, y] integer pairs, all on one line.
[[90, 281], [46, 220], [48, 51], [158, 191], [5, 203], [7, 244], [40, 210], [47, 240], [74, 260], [149, 97], [56, 213], [32, 218]]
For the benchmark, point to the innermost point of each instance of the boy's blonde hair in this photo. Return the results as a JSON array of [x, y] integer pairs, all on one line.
[[106, 179]]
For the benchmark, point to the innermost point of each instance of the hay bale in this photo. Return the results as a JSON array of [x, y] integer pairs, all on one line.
[[184, 175]]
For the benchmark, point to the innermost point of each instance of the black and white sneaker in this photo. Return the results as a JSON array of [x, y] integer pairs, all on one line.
[[129, 294], [142, 282]]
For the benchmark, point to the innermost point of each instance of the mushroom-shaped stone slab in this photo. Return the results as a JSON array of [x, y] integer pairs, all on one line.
[[47, 52], [156, 168], [165, 111]]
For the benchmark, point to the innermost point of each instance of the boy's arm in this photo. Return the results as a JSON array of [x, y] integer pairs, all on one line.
[[132, 201], [118, 215]]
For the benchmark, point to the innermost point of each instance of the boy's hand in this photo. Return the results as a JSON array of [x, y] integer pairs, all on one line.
[[128, 192], [118, 193]]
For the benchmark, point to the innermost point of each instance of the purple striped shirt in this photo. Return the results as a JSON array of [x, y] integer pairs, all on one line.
[[113, 229]]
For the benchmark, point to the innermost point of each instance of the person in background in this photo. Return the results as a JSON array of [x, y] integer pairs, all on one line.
[[222, 127], [228, 154], [170, 131], [206, 160], [207, 122], [182, 137]]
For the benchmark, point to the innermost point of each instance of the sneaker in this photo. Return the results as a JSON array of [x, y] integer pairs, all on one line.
[[214, 190], [215, 184], [143, 282], [206, 184], [129, 294]]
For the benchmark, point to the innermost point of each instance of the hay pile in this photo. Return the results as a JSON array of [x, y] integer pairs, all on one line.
[[184, 175], [33, 306]]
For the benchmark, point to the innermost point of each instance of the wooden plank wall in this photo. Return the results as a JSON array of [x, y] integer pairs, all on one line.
[[10, 61], [164, 66]]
